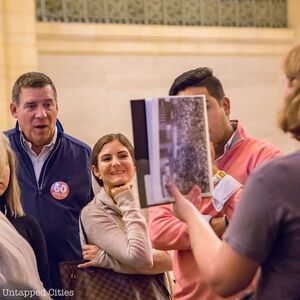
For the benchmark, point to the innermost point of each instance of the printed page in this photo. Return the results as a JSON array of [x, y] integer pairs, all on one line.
[[179, 148]]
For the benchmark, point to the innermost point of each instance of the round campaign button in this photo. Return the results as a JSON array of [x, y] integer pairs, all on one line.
[[59, 190]]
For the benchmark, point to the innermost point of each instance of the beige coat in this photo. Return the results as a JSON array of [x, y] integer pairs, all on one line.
[[120, 230]]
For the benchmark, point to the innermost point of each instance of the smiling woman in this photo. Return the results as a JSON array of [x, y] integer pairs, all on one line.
[[114, 165], [114, 225]]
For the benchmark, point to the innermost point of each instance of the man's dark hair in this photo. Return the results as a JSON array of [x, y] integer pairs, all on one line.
[[31, 80], [200, 77]]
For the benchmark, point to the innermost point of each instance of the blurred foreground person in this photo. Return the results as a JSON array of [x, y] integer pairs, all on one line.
[[10, 206], [17, 259]]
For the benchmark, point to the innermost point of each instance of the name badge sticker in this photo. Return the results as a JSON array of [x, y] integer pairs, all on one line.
[[60, 190]]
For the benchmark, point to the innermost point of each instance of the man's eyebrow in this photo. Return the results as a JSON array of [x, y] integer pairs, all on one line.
[[45, 100], [29, 103], [49, 100]]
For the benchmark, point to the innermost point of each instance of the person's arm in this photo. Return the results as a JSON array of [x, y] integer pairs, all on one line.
[[131, 247], [225, 270], [166, 231], [225, 196], [219, 224], [162, 262], [31, 230], [266, 152], [227, 190]]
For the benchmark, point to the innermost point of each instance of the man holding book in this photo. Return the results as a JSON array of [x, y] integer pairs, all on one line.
[[235, 154]]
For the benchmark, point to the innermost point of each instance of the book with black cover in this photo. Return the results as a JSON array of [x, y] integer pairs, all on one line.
[[171, 142]]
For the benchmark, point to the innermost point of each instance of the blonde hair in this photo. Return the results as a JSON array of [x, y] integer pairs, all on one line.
[[291, 65], [12, 193], [289, 117]]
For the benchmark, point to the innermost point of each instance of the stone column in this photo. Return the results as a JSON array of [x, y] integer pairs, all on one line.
[[18, 51], [293, 11]]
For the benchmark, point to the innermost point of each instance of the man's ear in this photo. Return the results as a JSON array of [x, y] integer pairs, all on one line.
[[13, 110], [225, 103], [95, 171]]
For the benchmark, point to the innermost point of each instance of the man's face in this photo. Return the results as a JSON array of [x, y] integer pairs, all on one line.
[[36, 113], [217, 113]]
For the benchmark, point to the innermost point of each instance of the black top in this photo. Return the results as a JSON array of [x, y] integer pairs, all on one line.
[[28, 227], [266, 227], [56, 199]]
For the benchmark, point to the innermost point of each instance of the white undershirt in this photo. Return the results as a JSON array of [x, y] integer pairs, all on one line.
[[38, 160]]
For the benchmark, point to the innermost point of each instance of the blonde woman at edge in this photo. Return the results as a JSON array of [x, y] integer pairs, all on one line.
[[113, 222], [17, 259]]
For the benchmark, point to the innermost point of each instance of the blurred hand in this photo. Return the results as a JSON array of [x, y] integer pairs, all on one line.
[[194, 195], [89, 252], [119, 189], [182, 208]]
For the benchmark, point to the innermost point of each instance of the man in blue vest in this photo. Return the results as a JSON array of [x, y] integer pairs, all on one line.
[[53, 168]]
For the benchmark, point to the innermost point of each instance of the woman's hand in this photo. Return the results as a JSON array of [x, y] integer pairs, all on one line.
[[119, 189], [89, 252], [182, 208]]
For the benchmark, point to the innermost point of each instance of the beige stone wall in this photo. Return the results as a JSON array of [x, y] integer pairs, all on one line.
[[3, 84], [18, 51], [94, 91], [294, 18], [99, 68]]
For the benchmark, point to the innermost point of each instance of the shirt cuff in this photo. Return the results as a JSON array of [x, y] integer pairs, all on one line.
[[207, 218], [224, 190]]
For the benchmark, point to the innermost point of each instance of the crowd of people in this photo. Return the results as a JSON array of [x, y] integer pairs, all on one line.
[[243, 241]]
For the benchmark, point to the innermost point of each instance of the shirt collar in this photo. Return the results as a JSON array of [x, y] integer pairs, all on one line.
[[28, 144], [235, 137]]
